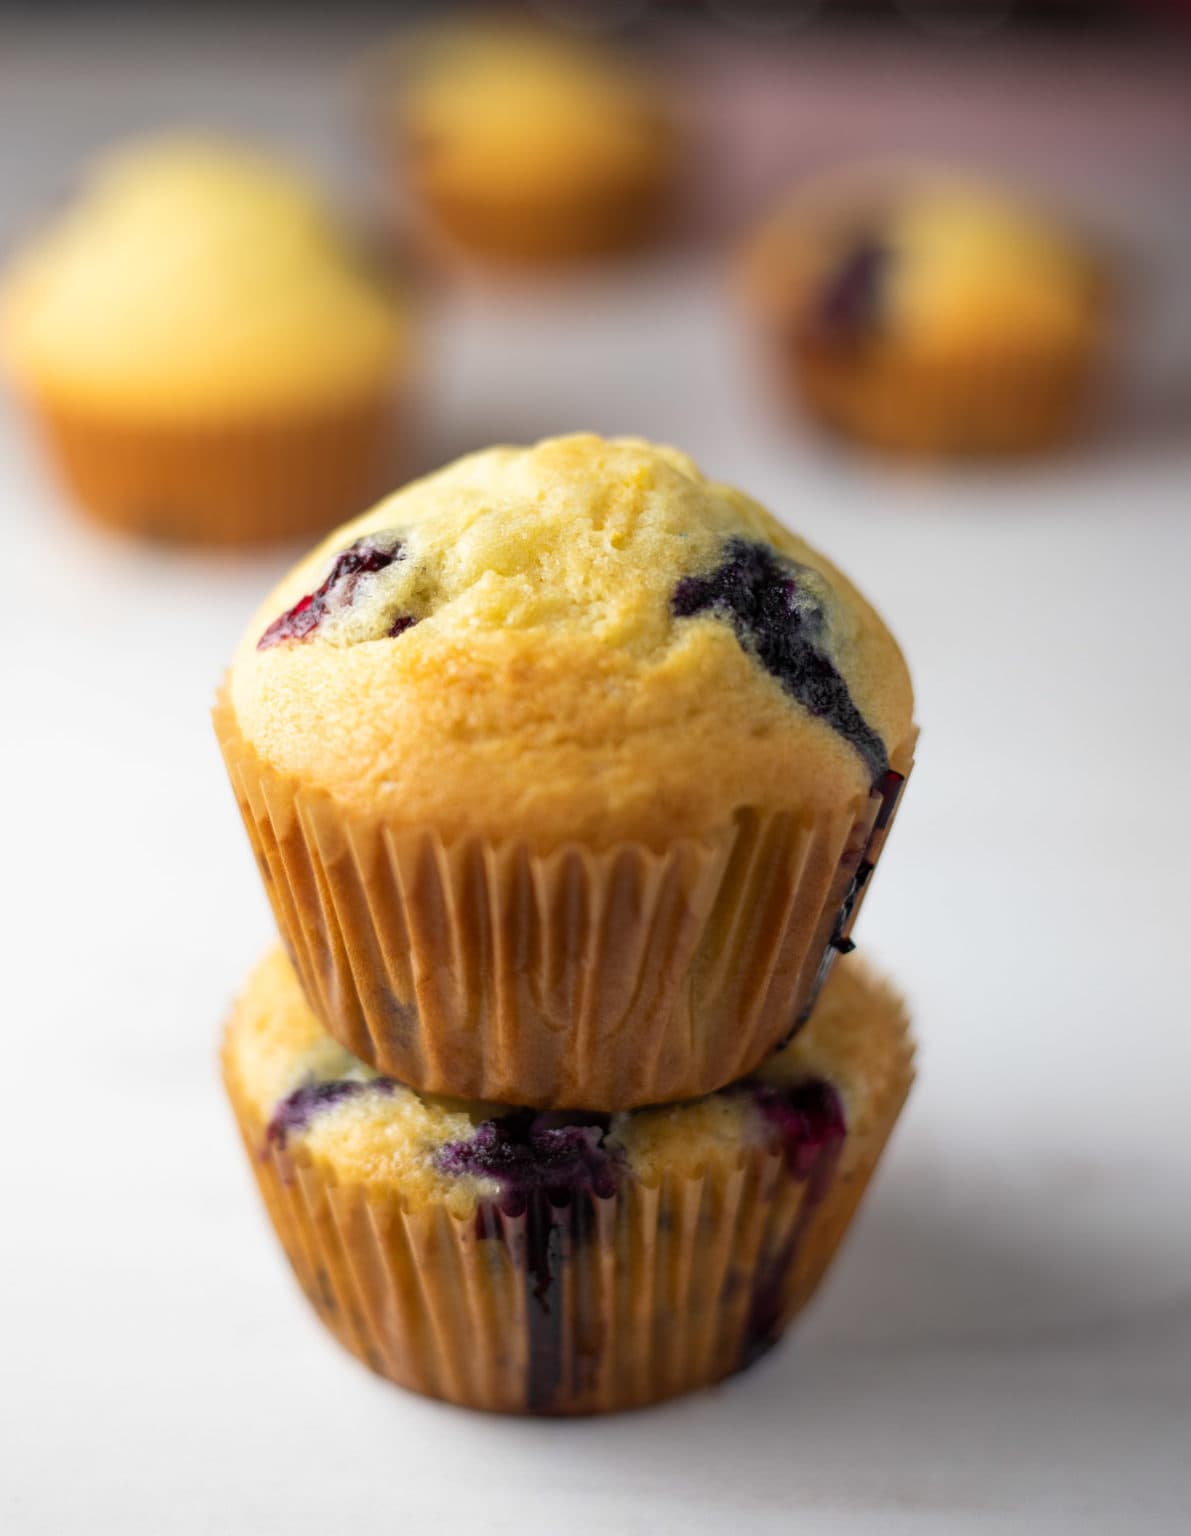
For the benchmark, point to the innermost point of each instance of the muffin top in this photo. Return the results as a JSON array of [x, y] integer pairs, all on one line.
[[514, 109], [196, 275], [317, 1101], [581, 641], [924, 260]]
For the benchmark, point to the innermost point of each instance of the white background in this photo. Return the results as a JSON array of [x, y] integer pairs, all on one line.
[[1006, 1342]]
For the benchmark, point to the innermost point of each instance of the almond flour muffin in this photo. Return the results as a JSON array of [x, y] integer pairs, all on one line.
[[205, 353], [925, 315], [523, 146], [562, 1263], [566, 768]]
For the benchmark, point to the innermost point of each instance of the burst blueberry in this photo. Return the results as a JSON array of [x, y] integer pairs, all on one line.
[[296, 1111], [374, 552], [526, 1152], [807, 1116], [779, 619]]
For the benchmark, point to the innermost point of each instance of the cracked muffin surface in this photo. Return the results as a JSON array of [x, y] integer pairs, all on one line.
[[583, 639]]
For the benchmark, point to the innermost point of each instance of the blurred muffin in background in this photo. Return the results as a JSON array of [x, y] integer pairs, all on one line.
[[926, 315], [206, 352], [523, 147]]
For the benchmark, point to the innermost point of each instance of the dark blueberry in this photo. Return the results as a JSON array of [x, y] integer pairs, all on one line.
[[807, 1116], [850, 301], [542, 1237], [552, 1169], [778, 620], [889, 789], [526, 1152], [839, 943], [374, 552], [296, 1112]]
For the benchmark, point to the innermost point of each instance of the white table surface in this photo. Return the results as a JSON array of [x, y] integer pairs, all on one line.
[[1006, 1342]]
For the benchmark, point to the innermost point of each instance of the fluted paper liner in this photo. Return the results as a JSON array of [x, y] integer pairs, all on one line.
[[621, 1301], [575, 978], [224, 481], [1024, 403], [456, 229]]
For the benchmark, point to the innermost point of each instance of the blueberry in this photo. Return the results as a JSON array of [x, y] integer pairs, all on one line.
[[850, 301], [526, 1152], [807, 1116], [374, 552], [551, 1170], [778, 619], [296, 1112]]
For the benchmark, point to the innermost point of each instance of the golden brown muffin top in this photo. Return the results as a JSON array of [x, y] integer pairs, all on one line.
[[193, 275], [583, 640], [315, 1100], [498, 109], [920, 259]]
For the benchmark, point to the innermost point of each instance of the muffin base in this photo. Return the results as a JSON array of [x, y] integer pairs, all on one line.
[[1000, 406], [537, 231], [569, 979], [223, 482], [596, 1306]]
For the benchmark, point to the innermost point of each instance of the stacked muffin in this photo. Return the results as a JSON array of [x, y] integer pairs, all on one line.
[[566, 770]]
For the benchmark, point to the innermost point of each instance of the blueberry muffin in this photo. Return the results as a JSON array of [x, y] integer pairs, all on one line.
[[555, 1262], [566, 769], [205, 352], [521, 146], [928, 316]]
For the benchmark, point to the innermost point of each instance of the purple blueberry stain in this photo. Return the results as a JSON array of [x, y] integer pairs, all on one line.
[[808, 1120], [295, 1112], [527, 1152], [368, 555], [552, 1170], [779, 620], [889, 789]]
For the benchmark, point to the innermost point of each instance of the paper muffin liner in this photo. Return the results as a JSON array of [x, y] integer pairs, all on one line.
[[595, 1305], [451, 224], [978, 405], [206, 480], [576, 978]]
